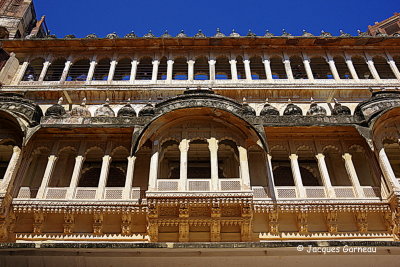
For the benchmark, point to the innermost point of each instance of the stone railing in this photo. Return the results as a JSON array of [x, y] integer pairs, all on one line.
[[198, 184]]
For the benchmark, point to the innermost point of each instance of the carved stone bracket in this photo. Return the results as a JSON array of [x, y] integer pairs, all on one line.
[[362, 221]]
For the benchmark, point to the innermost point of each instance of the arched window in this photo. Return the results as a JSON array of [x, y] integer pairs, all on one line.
[[201, 69], [281, 167], [228, 159], [361, 67], [222, 69], [320, 68], [162, 69], [342, 68], [34, 174], [90, 174], [383, 68], [144, 69], [169, 167], [392, 150], [118, 167], [55, 70], [308, 167], [277, 68], [240, 68], [199, 165], [362, 163], [257, 68], [79, 70], [180, 69], [6, 151], [63, 168], [297, 65], [123, 70], [102, 69], [336, 167], [257, 166], [33, 70]]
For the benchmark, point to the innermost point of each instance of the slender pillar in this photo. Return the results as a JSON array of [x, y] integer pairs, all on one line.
[[111, 72], [351, 171], [244, 168], [234, 75], [190, 63], [270, 176], [129, 178], [22, 71], [46, 177], [393, 66], [156, 63], [388, 171], [288, 68], [105, 166], [11, 169], [211, 64], [325, 175], [134, 64], [154, 167], [183, 148], [351, 68], [170, 65], [307, 66], [75, 176], [267, 66], [297, 175], [64, 75], [46, 66], [213, 146], [372, 69], [333, 68], [92, 68], [247, 69]]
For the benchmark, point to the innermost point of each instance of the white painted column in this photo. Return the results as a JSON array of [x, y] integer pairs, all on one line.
[[372, 69], [154, 74], [244, 168], [268, 71], [388, 171], [307, 66], [46, 177], [105, 167], [333, 68], [153, 173], [270, 177], [288, 68], [46, 66], [92, 68], [190, 63], [134, 64], [211, 64], [183, 148], [111, 72], [22, 71], [64, 75], [393, 66], [234, 75], [75, 176], [351, 68], [247, 69], [11, 169], [351, 171], [213, 147], [330, 191], [297, 176], [170, 66], [126, 194]]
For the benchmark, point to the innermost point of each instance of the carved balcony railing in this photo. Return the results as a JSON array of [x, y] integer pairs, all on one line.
[[286, 192], [85, 193], [371, 192], [198, 184], [56, 192], [344, 192], [167, 184], [113, 193], [230, 184], [315, 192], [260, 192]]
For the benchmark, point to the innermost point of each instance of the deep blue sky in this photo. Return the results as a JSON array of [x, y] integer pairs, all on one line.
[[81, 17]]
